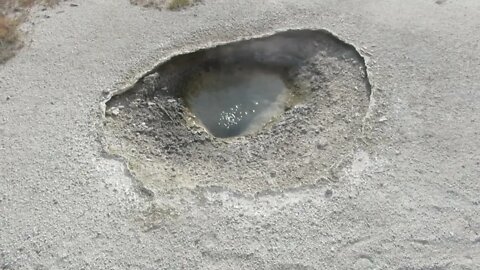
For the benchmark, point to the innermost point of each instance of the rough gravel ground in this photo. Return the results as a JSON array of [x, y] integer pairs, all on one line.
[[411, 202]]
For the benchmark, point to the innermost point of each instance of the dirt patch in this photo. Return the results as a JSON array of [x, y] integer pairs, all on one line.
[[152, 126]]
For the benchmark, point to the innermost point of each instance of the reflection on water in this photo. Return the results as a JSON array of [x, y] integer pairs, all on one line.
[[236, 102]]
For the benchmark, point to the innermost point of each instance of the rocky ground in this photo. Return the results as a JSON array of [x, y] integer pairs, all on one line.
[[153, 128], [406, 198]]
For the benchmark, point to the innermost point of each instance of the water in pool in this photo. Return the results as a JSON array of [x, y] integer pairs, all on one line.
[[235, 102]]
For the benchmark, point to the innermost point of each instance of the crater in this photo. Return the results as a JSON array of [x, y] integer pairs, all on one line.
[[267, 113]]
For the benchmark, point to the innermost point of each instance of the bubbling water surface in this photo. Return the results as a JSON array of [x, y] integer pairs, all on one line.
[[236, 102]]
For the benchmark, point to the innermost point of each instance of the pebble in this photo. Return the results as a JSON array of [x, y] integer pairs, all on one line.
[[115, 111], [322, 143]]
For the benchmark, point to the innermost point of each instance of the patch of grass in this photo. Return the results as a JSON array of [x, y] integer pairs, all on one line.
[[178, 4]]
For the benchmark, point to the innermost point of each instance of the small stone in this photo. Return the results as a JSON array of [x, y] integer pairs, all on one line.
[[328, 193], [382, 119], [114, 111], [8, 98], [151, 79], [151, 104], [322, 143]]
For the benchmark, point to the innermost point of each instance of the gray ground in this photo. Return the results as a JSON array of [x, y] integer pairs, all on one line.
[[410, 202]]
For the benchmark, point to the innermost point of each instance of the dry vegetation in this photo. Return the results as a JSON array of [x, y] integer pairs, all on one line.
[[178, 4], [9, 38], [159, 4], [12, 14], [169, 4]]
